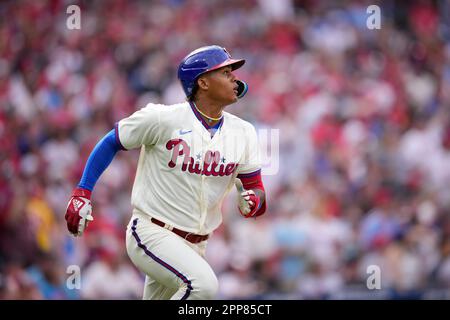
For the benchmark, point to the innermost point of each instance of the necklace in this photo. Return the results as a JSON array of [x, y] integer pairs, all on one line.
[[210, 119]]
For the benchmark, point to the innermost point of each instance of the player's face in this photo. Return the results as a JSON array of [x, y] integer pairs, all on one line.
[[222, 86]]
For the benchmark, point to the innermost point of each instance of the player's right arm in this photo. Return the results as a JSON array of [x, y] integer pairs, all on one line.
[[79, 208], [141, 128]]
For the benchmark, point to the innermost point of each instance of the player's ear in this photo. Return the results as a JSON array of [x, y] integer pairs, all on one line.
[[203, 83]]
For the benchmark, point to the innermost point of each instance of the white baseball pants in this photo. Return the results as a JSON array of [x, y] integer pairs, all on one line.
[[174, 268]]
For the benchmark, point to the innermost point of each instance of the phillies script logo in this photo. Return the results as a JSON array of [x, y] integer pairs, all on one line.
[[211, 161]]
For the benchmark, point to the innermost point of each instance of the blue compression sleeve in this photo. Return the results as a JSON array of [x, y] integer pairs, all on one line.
[[99, 160]]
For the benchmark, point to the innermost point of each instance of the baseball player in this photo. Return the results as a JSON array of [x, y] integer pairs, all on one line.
[[191, 156]]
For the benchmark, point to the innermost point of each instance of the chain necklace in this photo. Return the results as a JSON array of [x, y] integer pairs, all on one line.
[[210, 119]]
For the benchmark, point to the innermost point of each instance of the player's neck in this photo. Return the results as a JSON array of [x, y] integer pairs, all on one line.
[[209, 111]]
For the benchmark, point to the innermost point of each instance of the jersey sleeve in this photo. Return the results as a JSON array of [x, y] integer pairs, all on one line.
[[141, 128], [251, 160]]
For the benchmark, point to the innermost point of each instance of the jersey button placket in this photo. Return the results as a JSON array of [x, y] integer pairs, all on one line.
[[202, 193], [203, 206]]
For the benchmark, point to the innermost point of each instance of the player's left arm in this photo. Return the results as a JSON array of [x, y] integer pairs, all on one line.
[[252, 196]]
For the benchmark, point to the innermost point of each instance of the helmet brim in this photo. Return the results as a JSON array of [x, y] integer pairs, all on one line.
[[234, 63]]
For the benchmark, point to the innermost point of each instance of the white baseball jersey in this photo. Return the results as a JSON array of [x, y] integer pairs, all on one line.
[[183, 174]]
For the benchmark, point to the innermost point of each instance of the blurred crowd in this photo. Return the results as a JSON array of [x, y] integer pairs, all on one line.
[[364, 143]]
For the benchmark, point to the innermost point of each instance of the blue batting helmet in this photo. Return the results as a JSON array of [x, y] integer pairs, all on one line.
[[206, 59]]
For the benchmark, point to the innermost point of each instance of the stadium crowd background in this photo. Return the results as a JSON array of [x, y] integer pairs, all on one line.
[[364, 120]]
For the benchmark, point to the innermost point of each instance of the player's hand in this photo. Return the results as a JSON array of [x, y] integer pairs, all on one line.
[[248, 201], [79, 210]]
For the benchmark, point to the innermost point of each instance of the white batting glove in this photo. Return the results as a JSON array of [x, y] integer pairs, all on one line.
[[248, 201], [86, 217]]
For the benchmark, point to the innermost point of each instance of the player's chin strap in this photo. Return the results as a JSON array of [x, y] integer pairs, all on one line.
[[242, 88]]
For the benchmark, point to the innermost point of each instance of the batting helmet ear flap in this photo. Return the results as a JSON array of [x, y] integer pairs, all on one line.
[[242, 88]]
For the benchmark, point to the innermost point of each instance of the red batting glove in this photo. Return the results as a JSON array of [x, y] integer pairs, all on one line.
[[79, 210], [248, 201]]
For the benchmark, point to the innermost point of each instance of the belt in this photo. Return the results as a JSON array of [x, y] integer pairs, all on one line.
[[191, 237]]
